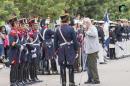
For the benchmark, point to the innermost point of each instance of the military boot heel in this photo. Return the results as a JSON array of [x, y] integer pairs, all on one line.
[[64, 84], [72, 84]]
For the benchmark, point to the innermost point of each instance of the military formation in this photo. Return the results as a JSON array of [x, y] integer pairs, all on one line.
[[118, 40], [31, 46]]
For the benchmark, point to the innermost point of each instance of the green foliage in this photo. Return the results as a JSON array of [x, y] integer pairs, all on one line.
[[7, 9], [42, 8], [113, 8], [96, 8], [54, 8]]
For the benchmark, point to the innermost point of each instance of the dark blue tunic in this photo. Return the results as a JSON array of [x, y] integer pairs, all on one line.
[[66, 52], [48, 43], [31, 47], [101, 35], [118, 33], [13, 50], [23, 56]]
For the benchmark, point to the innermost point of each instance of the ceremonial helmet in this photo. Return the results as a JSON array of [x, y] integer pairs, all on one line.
[[12, 20], [65, 17], [33, 21], [23, 21]]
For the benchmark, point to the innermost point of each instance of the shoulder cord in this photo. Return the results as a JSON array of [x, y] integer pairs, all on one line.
[[17, 39], [32, 43], [43, 35], [62, 34]]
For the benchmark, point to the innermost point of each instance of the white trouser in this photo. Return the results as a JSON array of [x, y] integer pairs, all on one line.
[[119, 52], [128, 47], [101, 53], [125, 48], [84, 60]]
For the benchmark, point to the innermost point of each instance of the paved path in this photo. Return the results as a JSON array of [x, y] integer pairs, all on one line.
[[115, 73]]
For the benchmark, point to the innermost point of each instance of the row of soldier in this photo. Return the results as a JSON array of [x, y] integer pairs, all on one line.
[[24, 47], [119, 35], [31, 47]]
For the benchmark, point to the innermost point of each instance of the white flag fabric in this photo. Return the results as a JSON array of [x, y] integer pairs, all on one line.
[[106, 25]]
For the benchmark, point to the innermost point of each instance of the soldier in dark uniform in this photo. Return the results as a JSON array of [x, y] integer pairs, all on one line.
[[24, 58], [29, 63], [125, 31], [66, 47], [101, 34], [119, 36], [19, 34], [42, 23], [13, 52], [48, 50], [125, 34], [118, 30], [27, 58], [22, 53], [79, 36], [112, 42], [33, 49], [129, 30]]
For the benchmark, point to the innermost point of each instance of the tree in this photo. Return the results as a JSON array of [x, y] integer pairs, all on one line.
[[54, 8], [7, 9], [42, 8]]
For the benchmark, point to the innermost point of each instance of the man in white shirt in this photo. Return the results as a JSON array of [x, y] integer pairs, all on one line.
[[91, 48]]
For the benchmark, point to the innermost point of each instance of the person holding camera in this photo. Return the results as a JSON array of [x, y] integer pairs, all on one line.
[[91, 48]]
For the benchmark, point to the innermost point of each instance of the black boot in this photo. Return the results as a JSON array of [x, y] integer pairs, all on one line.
[[63, 83], [63, 75], [71, 76], [72, 84], [13, 84], [88, 82]]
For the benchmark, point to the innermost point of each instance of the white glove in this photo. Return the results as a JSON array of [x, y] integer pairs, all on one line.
[[22, 47], [27, 52], [0, 58], [33, 50], [77, 55], [34, 55], [123, 34]]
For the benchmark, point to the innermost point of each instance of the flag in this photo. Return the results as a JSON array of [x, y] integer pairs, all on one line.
[[106, 31], [106, 25]]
